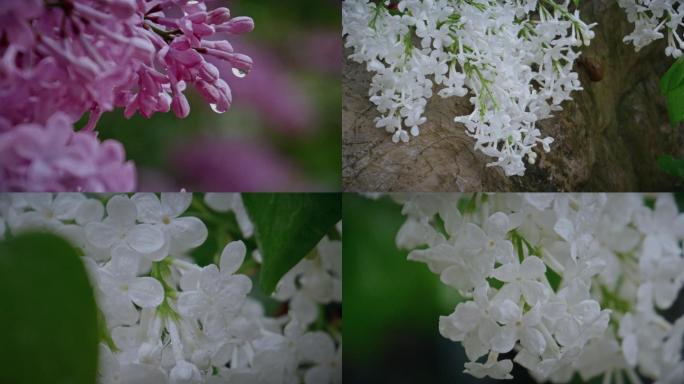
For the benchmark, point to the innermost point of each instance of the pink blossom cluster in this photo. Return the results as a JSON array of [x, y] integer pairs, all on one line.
[[72, 57], [53, 157]]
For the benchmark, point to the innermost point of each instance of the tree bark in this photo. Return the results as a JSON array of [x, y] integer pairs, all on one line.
[[608, 138]]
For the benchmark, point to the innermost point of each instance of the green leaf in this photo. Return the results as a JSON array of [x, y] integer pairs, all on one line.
[[576, 2], [553, 278], [672, 87], [673, 78], [48, 317], [672, 166], [287, 226], [675, 105]]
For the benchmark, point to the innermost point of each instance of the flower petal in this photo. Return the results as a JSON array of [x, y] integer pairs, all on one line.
[[474, 347], [187, 232], [89, 211], [316, 347], [175, 203], [192, 303], [210, 279], [567, 331], [121, 210], [586, 311], [125, 261], [532, 268], [507, 272], [101, 235], [532, 340], [564, 229], [506, 312], [148, 206], [533, 291], [496, 225], [630, 349], [146, 292], [66, 205], [504, 339], [303, 309], [475, 238], [145, 238]]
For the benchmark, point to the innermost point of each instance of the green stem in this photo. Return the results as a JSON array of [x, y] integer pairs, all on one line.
[[161, 270]]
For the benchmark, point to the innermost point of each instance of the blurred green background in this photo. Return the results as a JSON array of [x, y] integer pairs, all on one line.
[[392, 306], [283, 129]]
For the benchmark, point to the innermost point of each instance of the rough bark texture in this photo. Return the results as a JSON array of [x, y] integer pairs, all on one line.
[[607, 138]]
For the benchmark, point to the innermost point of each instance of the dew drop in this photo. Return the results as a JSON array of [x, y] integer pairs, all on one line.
[[239, 72], [214, 108]]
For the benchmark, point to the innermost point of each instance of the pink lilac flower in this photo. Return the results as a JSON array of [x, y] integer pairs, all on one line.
[[61, 59], [139, 55], [52, 157], [14, 15]]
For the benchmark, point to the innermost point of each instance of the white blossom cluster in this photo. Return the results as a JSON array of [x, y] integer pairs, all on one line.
[[653, 19], [164, 319], [567, 283], [513, 57]]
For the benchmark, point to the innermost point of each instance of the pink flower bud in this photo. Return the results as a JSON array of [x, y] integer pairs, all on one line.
[[237, 25], [218, 16]]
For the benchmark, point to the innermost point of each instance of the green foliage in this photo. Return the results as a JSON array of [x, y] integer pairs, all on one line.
[[287, 226], [672, 166], [48, 314], [672, 87]]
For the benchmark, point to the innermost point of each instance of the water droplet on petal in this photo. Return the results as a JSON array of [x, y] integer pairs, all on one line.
[[215, 108], [239, 72]]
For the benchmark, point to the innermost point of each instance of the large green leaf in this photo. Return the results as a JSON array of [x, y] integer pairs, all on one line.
[[48, 317], [672, 87], [287, 227]]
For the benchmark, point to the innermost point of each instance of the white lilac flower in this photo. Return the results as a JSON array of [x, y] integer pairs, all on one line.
[[654, 20], [316, 279], [120, 228], [122, 286], [515, 58], [581, 293], [183, 232], [218, 294], [496, 369], [167, 320]]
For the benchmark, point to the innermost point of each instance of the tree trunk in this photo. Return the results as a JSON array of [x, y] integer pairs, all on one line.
[[608, 138]]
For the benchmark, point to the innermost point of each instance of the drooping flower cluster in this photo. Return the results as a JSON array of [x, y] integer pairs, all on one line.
[[73, 57], [571, 283], [165, 319], [515, 58], [653, 20]]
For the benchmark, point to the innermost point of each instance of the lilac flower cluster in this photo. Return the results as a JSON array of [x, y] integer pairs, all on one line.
[[61, 59]]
